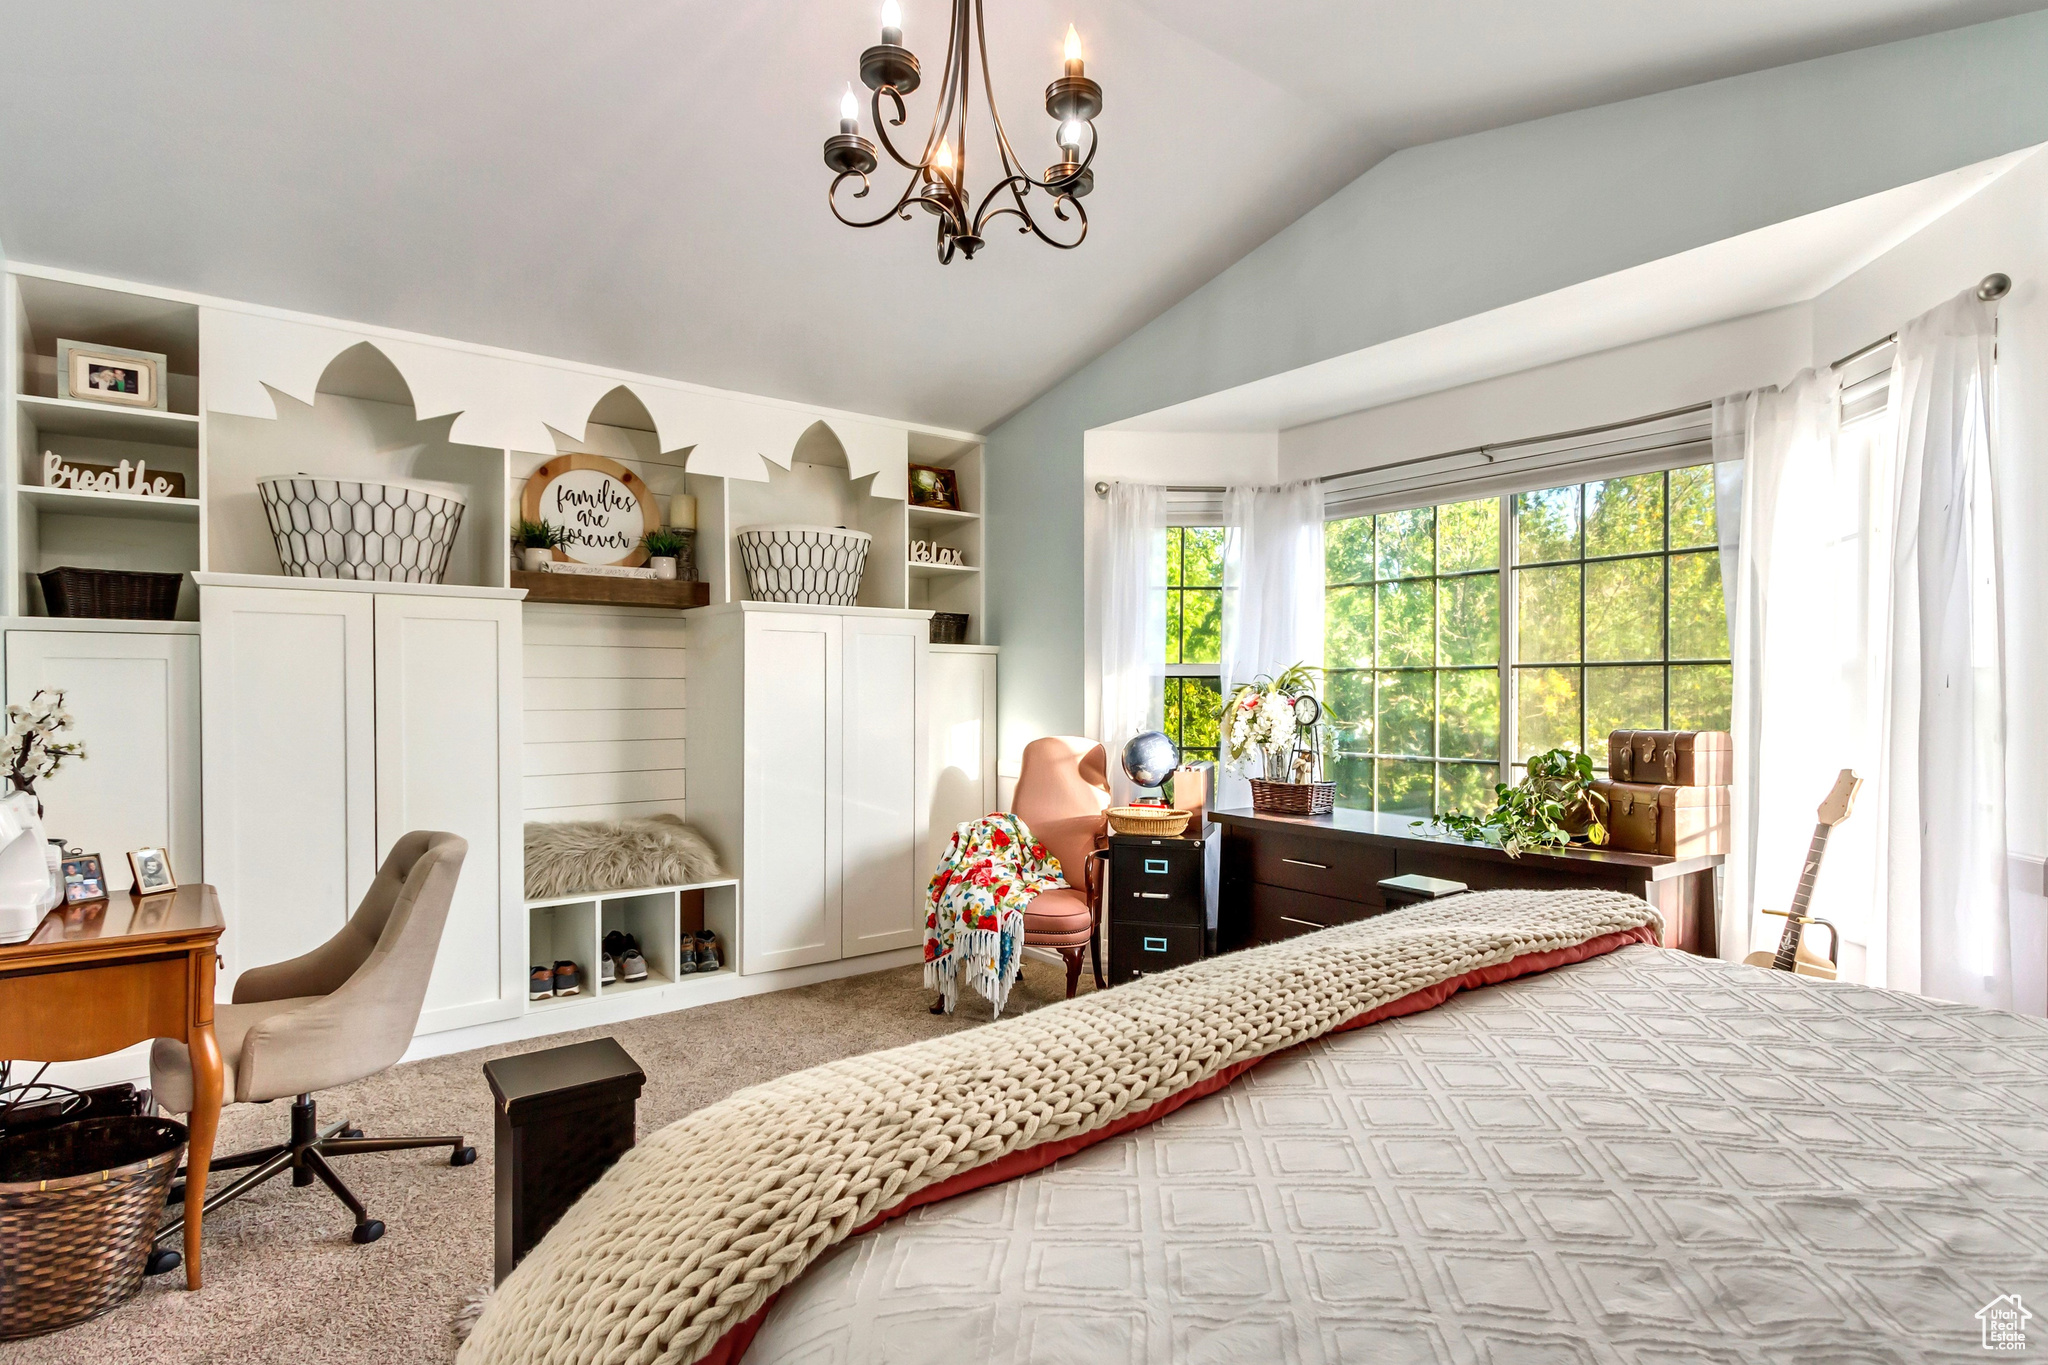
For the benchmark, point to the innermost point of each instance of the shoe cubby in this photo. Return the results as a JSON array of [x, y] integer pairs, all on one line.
[[563, 930], [574, 927]]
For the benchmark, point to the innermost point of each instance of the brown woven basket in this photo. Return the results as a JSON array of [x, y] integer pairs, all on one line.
[[73, 1246], [1293, 798], [111, 594], [949, 628], [1161, 822]]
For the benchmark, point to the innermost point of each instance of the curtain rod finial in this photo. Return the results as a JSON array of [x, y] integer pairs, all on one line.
[[1994, 287], [1101, 489]]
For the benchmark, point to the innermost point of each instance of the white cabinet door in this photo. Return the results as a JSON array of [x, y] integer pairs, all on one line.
[[448, 729], [962, 745], [883, 783], [290, 765], [792, 771], [136, 699]]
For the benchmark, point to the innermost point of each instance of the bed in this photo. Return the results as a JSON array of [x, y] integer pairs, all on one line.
[[1618, 1152]]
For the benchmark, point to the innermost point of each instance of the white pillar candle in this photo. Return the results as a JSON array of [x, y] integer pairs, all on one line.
[[682, 512]]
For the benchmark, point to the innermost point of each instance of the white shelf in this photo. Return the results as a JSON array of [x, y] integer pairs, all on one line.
[[76, 417], [941, 515], [588, 897], [917, 567], [73, 502]]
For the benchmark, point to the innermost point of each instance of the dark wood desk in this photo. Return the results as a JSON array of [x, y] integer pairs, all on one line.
[[1293, 874], [97, 978]]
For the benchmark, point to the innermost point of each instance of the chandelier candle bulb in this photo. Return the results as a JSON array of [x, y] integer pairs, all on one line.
[[1073, 52], [849, 112], [892, 23]]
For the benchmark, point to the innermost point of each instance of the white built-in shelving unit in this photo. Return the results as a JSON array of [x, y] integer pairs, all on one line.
[[573, 928]]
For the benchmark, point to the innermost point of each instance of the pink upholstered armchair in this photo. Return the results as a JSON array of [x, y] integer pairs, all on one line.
[[1062, 792]]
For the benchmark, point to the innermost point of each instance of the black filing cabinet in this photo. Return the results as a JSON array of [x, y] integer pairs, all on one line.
[[1158, 911], [565, 1115]]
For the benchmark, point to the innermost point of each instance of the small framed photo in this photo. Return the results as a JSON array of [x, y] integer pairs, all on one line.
[[84, 879], [931, 487], [152, 869], [110, 374]]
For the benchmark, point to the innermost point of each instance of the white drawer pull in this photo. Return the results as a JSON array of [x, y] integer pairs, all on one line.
[[1154, 896], [1304, 923], [1298, 862]]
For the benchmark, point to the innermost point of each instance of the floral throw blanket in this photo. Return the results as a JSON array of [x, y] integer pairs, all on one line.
[[975, 927]]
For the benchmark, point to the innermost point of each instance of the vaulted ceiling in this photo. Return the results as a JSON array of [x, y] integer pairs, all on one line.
[[639, 185]]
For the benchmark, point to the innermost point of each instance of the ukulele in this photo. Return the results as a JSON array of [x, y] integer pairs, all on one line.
[[1793, 955]]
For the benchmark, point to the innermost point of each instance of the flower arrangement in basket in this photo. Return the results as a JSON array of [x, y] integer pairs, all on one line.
[[1270, 724]]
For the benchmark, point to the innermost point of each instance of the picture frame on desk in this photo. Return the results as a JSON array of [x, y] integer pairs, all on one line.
[[152, 870], [85, 879]]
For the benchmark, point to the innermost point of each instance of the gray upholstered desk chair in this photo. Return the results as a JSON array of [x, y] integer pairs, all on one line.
[[340, 1013]]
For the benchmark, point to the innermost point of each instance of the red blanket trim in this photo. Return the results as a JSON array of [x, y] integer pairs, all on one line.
[[734, 1343]]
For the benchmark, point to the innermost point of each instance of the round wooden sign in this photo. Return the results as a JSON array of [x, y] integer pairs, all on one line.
[[602, 506]]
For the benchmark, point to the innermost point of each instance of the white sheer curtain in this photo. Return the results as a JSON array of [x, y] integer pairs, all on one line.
[[1133, 622], [1272, 591], [1947, 932]]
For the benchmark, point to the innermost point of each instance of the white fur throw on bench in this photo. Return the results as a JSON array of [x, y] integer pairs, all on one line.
[[614, 855], [698, 1227]]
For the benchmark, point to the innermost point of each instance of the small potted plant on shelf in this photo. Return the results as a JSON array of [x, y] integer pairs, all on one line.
[[1270, 724], [537, 542], [1553, 804], [665, 548]]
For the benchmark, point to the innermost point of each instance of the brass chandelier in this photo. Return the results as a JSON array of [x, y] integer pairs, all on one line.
[[938, 174]]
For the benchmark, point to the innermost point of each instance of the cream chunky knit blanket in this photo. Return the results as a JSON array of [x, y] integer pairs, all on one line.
[[697, 1228]]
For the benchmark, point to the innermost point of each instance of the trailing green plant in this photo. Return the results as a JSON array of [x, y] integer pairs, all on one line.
[[1545, 809], [665, 543], [539, 535]]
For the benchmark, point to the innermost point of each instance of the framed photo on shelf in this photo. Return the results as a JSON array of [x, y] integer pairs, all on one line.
[[152, 869], [84, 879], [110, 374], [930, 487]]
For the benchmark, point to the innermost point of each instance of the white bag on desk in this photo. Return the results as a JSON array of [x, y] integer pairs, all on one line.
[[28, 887]]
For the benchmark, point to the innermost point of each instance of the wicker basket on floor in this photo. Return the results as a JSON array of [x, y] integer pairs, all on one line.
[[73, 1246], [111, 594], [1293, 798]]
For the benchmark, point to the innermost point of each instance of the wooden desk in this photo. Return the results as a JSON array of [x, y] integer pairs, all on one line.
[[1294, 874], [97, 978]]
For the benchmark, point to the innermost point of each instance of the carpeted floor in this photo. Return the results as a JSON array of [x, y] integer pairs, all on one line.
[[285, 1283]]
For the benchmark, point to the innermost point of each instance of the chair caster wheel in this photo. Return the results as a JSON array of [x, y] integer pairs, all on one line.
[[367, 1233], [462, 1156], [162, 1259], [350, 1132]]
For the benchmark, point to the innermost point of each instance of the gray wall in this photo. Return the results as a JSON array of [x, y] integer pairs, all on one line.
[[1443, 231]]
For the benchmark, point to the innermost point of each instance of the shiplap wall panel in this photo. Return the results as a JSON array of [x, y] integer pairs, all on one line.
[[604, 713]]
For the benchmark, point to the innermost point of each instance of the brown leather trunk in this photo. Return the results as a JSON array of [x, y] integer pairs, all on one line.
[[1678, 822], [1677, 758]]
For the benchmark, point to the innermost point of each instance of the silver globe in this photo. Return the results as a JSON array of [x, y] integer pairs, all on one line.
[[1150, 759]]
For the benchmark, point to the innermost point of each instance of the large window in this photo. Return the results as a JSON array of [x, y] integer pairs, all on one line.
[[1194, 637], [1617, 622], [1412, 644]]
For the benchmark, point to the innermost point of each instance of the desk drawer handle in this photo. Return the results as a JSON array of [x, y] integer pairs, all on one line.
[[1300, 862], [1155, 945], [1304, 923], [1156, 865], [1154, 896]]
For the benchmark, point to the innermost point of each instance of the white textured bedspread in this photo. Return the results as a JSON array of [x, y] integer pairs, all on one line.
[[1647, 1158]]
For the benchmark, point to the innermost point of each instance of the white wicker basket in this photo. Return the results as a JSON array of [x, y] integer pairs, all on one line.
[[816, 564], [352, 528]]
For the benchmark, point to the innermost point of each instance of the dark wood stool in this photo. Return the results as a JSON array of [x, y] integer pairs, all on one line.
[[1414, 889], [564, 1116]]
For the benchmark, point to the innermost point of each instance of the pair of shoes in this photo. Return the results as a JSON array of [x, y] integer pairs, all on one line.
[[624, 949], [700, 952], [568, 978]]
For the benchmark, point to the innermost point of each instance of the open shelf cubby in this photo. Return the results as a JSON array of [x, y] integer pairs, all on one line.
[[573, 928]]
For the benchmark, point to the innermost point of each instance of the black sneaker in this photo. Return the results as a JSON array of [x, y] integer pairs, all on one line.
[[688, 961], [707, 952], [541, 985], [568, 978]]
